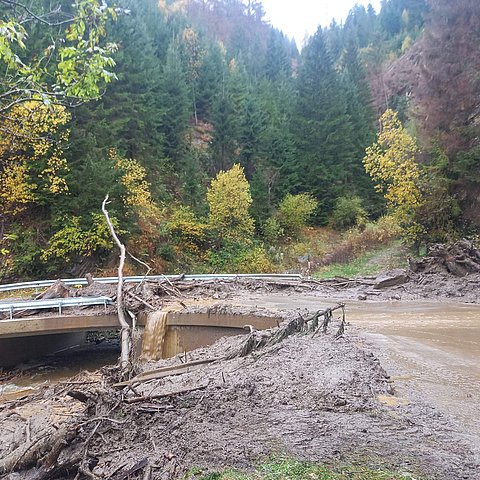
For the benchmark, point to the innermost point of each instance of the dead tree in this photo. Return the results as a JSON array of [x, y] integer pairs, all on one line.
[[125, 327]]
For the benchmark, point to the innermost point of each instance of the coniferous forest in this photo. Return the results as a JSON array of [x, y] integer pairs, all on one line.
[[218, 139]]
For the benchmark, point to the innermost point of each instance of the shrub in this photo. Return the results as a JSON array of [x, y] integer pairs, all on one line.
[[356, 241], [235, 258], [348, 212], [272, 231], [75, 240], [229, 200], [294, 212], [185, 230], [20, 257]]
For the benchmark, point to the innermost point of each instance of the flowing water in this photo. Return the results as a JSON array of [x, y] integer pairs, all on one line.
[[154, 336], [431, 349], [31, 376]]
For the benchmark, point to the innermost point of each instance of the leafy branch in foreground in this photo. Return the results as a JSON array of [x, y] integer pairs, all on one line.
[[72, 66]]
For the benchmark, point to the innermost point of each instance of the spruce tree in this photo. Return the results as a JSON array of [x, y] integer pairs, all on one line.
[[322, 127]]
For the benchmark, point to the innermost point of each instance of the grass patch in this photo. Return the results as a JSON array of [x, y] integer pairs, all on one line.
[[371, 262], [294, 470], [360, 266], [27, 294]]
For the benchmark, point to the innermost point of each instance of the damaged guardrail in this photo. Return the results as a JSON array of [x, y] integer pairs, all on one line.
[[140, 278], [54, 303]]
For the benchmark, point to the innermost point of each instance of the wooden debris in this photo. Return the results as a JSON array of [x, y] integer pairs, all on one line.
[[147, 398], [57, 290], [138, 299], [130, 471], [28, 454], [459, 259], [166, 372]]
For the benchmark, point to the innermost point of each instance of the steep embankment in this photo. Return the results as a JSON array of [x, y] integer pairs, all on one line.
[[437, 79]]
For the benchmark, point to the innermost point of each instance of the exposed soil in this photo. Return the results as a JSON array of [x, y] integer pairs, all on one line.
[[318, 397], [438, 285]]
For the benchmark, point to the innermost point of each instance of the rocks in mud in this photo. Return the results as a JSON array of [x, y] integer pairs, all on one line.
[[391, 278], [57, 290], [459, 259]]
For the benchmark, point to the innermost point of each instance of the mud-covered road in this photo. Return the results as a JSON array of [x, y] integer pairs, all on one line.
[[430, 348], [397, 389]]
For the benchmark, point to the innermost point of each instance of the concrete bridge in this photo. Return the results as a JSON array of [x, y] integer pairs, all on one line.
[[45, 332], [39, 334], [26, 338]]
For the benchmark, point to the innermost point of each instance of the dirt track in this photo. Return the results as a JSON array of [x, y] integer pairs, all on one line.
[[319, 398]]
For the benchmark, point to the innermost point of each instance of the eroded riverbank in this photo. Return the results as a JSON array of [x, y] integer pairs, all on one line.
[[318, 398], [431, 349]]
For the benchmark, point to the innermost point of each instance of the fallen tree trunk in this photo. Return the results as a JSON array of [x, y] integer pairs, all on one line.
[[47, 447], [57, 290]]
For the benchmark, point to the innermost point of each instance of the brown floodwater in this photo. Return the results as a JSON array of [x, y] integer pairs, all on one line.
[[31, 376], [165, 335]]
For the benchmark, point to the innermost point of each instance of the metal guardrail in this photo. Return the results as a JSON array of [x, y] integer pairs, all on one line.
[[137, 279], [54, 303]]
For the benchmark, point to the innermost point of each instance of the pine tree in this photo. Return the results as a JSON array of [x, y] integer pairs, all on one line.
[[360, 112], [175, 103], [278, 65], [252, 129], [322, 126], [210, 80]]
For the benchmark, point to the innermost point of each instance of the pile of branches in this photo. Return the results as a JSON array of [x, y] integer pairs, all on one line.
[[459, 259], [69, 450], [319, 322]]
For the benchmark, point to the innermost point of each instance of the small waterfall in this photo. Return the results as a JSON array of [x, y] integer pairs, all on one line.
[[154, 336]]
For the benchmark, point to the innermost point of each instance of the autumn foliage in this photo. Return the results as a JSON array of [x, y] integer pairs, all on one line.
[[390, 161], [33, 166]]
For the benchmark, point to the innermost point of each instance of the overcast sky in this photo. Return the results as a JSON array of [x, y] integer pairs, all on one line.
[[299, 17]]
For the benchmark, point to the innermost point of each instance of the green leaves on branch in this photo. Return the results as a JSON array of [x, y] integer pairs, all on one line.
[[75, 240], [74, 66], [84, 63]]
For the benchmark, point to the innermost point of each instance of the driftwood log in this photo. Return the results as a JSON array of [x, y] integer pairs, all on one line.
[[57, 290], [45, 450]]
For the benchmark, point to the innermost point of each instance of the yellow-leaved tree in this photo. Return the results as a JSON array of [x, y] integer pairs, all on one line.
[[229, 200], [390, 161], [140, 207], [137, 197], [32, 165]]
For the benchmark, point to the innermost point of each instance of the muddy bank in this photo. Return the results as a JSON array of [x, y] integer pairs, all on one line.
[[320, 397]]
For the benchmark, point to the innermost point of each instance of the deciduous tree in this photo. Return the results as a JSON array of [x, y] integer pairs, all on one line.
[[229, 200], [74, 65], [390, 161]]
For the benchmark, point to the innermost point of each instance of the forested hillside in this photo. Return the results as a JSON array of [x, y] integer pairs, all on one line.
[[218, 139]]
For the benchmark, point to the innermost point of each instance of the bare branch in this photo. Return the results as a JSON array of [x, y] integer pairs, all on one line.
[[33, 16], [125, 327]]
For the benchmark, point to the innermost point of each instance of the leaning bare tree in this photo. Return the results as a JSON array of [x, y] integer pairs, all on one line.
[[125, 327]]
